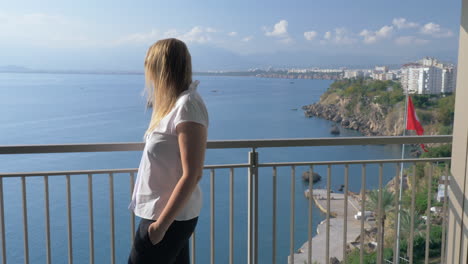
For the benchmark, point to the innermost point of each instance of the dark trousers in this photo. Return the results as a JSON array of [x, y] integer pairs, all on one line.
[[173, 249]]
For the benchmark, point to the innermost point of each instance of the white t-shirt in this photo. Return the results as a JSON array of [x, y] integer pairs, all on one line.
[[160, 167]]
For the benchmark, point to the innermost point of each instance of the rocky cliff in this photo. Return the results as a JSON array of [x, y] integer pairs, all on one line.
[[363, 115]]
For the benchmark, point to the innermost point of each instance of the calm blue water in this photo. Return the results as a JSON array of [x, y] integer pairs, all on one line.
[[58, 108]]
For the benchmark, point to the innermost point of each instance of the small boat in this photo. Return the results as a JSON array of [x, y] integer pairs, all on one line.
[[293, 109]]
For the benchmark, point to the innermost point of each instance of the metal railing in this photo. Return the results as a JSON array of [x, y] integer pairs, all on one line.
[[253, 166]]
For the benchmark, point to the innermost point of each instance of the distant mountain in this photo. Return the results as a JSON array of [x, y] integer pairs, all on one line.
[[14, 68]]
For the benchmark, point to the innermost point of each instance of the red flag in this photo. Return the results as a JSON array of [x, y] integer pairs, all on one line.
[[412, 122]]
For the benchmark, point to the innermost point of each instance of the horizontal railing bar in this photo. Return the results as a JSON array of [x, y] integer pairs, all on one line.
[[223, 144], [344, 141], [344, 162], [65, 148], [228, 166], [62, 173], [106, 171]]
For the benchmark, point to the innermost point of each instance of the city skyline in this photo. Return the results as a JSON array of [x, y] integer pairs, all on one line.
[[228, 35]]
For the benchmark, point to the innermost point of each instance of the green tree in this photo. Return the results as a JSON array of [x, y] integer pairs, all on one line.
[[420, 201], [405, 227], [438, 152], [419, 244], [446, 110], [369, 258], [422, 101], [386, 206]]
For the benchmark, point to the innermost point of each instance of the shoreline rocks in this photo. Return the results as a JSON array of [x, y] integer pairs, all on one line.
[[334, 130], [375, 121], [315, 177]]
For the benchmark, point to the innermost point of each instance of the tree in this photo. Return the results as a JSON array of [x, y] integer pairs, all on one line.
[[422, 101], [437, 152], [419, 244], [386, 206], [446, 112], [405, 226], [420, 201], [369, 258]]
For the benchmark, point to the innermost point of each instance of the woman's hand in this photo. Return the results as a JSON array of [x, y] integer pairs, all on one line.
[[156, 232]]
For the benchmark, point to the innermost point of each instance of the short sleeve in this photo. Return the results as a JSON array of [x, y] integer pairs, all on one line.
[[192, 109]]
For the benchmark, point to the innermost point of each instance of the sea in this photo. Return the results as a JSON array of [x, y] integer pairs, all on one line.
[[99, 108]]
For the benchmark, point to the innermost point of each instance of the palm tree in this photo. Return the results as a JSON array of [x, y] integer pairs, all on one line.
[[405, 227], [387, 205]]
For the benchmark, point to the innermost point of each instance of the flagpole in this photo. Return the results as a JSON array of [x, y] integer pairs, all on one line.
[[397, 248]]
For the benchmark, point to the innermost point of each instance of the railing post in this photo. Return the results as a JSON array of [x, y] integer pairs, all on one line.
[[2, 223], [252, 221]]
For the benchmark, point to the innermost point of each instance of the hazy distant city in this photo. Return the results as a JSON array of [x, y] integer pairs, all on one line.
[[425, 76]]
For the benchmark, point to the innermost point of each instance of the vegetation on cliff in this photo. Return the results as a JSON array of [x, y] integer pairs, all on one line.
[[376, 107]]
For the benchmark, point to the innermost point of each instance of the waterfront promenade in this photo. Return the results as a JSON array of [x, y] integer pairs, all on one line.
[[336, 228]]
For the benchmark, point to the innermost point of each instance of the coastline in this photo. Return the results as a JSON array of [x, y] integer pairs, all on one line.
[[337, 218]]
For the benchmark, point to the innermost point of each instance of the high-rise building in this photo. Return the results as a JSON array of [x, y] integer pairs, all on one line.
[[428, 76], [449, 77], [418, 79]]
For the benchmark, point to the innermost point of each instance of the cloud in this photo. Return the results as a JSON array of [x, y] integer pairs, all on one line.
[[435, 30], [247, 39], [171, 33], [410, 40], [371, 37], [310, 35], [279, 30], [139, 38], [402, 23], [197, 34], [232, 34], [340, 36], [211, 30]]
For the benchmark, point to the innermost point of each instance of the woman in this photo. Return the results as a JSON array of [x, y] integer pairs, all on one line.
[[167, 197]]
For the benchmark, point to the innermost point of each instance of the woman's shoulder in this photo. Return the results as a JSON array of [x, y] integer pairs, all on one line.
[[190, 96], [191, 107]]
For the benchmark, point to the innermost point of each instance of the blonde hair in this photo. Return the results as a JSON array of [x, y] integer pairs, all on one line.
[[168, 73]]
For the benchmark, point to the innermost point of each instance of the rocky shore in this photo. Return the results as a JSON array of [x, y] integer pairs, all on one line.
[[373, 121]]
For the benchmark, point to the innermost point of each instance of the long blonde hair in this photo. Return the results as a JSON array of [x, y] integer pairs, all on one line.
[[168, 73]]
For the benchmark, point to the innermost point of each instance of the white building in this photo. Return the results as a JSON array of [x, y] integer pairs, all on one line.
[[449, 77], [441, 193], [428, 61], [381, 69], [418, 79], [428, 76], [349, 74], [385, 76], [422, 80], [314, 70]]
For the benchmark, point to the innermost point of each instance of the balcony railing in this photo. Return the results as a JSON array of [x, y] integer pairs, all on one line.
[[327, 200]]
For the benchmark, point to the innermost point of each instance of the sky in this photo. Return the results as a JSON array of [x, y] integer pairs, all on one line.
[[227, 35]]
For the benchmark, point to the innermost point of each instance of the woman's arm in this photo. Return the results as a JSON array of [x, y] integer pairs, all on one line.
[[192, 143]]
